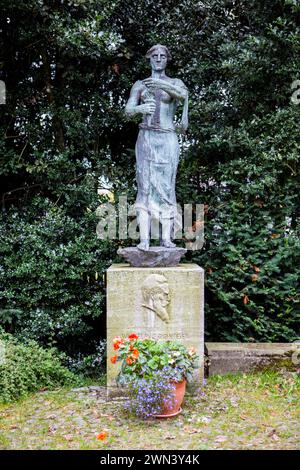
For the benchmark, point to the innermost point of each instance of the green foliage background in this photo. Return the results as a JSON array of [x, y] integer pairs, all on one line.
[[26, 368], [68, 67]]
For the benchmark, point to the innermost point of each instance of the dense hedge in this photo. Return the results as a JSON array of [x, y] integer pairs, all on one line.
[[26, 368], [68, 68], [53, 276]]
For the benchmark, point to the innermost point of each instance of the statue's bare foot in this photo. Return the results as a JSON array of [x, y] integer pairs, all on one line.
[[144, 245], [168, 244]]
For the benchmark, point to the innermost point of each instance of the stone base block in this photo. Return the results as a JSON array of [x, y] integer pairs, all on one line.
[[233, 358], [154, 257], [164, 303]]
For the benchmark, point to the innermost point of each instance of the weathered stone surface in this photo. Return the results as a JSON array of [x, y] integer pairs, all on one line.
[[165, 303], [245, 357], [155, 256]]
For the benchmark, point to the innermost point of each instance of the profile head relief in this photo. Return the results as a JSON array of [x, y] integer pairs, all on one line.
[[156, 295]]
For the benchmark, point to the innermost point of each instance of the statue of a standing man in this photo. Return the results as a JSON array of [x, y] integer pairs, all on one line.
[[157, 147]]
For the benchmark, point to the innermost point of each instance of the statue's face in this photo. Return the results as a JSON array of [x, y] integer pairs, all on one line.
[[162, 298], [158, 60]]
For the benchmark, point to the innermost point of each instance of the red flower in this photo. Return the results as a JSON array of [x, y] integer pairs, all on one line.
[[132, 336], [113, 359], [135, 354], [102, 435], [129, 361], [117, 342]]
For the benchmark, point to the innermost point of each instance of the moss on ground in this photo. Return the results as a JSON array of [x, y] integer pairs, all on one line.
[[254, 411]]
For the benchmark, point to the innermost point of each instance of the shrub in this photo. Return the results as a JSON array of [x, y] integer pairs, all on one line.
[[52, 277], [27, 367], [63, 134], [91, 365]]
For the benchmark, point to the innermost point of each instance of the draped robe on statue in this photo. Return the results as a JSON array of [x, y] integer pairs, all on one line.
[[157, 155]]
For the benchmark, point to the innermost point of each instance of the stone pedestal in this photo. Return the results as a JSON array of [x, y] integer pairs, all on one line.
[[156, 256], [164, 303]]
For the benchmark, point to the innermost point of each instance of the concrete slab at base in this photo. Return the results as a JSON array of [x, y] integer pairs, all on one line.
[[164, 303], [228, 358]]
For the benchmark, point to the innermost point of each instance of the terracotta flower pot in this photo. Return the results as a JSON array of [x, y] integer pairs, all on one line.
[[174, 408]]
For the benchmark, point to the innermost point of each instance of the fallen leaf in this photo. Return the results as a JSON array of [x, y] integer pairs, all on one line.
[[273, 434], [244, 417], [191, 430], [102, 435]]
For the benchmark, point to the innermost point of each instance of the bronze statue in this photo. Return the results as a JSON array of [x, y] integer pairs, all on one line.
[[157, 147]]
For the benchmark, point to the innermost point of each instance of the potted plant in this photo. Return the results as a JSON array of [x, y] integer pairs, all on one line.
[[155, 374]]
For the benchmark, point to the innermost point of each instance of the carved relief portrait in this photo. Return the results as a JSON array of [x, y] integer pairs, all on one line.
[[156, 296]]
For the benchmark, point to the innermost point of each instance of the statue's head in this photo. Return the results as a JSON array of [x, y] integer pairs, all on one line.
[[159, 56]]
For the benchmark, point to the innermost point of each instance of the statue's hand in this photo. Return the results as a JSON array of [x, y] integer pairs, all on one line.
[[148, 107], [154, 83]]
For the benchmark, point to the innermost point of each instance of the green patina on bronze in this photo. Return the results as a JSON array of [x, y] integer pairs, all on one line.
[[157, 147]]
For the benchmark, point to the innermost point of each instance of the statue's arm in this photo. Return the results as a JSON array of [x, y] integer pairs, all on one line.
[[176, 90], [133, 105]]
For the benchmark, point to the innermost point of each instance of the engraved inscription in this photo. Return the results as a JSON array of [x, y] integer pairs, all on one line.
[[169, 336], [177, 335]]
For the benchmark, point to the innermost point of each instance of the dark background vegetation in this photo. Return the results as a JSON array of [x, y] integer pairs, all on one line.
[[68, 68]]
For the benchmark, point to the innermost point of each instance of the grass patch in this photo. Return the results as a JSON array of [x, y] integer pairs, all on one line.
[[253, 411]]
